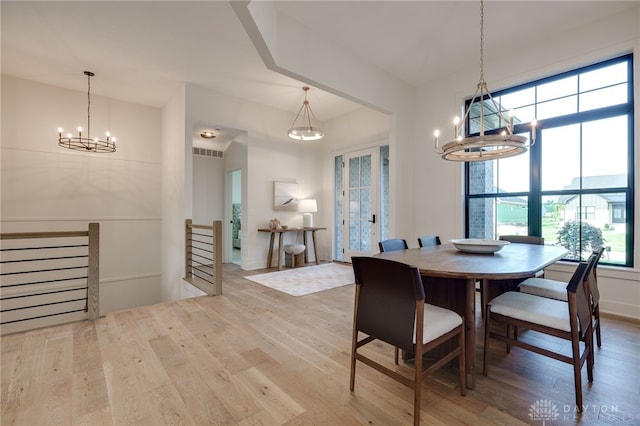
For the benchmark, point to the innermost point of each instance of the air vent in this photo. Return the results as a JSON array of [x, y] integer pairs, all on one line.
[[208, 152]]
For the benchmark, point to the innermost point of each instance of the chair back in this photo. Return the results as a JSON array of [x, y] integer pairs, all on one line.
[[578, 298], [429, 241], [393, 245], [523, 239], [593, 277], [387, 292]]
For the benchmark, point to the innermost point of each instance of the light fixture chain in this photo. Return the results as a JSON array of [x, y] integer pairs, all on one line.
[[89, 106], [481, 41]]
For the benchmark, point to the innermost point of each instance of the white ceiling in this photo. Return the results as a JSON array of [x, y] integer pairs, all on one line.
[[141, 51]]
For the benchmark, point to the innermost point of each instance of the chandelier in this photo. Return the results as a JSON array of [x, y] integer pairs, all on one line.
[[484, 147], [87, 143], [305, 131]]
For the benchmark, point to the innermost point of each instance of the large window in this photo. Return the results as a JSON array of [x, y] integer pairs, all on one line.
[[574, 187]]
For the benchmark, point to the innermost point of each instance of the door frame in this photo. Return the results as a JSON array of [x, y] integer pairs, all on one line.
[[374, 151], [228, 222]]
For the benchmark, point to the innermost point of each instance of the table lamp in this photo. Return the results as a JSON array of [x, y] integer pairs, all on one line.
[[307, 207]]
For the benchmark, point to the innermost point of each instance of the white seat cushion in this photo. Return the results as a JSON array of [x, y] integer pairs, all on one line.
[[536, 309], [437, 321], [294, 248], [545, 288]]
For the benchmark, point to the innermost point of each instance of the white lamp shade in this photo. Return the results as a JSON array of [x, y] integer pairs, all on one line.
[[307, 206]]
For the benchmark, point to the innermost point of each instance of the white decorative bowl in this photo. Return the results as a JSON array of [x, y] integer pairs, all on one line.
[[473, 245]]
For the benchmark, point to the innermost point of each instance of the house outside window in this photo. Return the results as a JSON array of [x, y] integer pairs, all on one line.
[[576, 182]]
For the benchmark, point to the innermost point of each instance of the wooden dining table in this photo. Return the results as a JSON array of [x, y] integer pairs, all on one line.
[[450, 276]]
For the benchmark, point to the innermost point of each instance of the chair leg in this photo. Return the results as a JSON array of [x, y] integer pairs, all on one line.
[[485, 352], [508, 336], [462, 363], [352, 379], [590, 355], [577, 377], [596, 314], [396, 355], [354, 342], [417, 388]]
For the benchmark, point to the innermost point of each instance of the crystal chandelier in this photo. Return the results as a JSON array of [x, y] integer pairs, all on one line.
[[305, 131], [484, 147], [87, 143]]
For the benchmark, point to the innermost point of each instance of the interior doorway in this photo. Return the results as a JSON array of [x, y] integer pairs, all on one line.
[[235, 224]]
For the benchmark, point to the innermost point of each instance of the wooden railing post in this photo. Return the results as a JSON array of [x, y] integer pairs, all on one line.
[[203, 256], [217, 256], [93, 272], [187, 249]]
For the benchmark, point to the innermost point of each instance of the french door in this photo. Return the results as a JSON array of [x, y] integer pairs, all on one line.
[[360, 204]]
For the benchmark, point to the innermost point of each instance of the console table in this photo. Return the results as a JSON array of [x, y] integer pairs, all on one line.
[[281, 233]]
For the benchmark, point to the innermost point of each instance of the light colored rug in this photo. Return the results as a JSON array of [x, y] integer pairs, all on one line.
[[307, 280]]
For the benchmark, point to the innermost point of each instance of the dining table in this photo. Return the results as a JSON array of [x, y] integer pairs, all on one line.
[[450, 275]]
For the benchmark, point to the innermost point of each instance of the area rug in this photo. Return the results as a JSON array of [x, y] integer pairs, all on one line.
[[308, 279]]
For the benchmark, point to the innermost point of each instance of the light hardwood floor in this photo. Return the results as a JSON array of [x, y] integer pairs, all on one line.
[[257, 356]]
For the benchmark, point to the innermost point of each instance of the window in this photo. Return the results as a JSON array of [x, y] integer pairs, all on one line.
[[588, 213], [576, 182]]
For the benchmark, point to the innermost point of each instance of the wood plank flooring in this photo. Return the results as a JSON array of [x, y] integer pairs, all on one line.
[[255, 356]]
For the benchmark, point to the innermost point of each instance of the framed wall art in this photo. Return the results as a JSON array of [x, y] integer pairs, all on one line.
[[285, 196]]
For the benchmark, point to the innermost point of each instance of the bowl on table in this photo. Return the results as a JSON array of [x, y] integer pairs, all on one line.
[[475, 245]]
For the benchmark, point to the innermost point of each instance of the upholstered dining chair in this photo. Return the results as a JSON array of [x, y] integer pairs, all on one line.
[[556, 290], [389, 306], [393, 245], [496, 288], [567, 320], [429, 240]]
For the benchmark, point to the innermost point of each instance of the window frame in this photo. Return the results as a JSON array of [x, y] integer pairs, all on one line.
[[535, 194]]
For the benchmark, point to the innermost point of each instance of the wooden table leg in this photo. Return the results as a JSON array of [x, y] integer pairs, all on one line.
[[280, 234], [270, 253], [315, 246], [470, 332], [306, 247]]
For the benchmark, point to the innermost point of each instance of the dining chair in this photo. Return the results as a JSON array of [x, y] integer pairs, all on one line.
[[556, 290], [429, 241], [496, 288], [393, 245], [567, 320], [522, 239], [389, 306], [525, 239]]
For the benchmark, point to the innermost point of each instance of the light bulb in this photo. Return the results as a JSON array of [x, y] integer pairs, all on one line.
[[436, 133], [60, 130], [80, 128], [456, 120]]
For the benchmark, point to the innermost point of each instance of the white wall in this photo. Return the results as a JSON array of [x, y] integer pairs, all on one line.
[[441, 188], [235, 158], [45, 187], [208, 189]]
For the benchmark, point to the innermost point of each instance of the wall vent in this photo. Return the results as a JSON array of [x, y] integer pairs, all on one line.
[[208, 152]]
